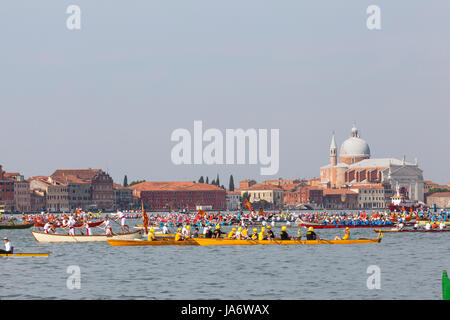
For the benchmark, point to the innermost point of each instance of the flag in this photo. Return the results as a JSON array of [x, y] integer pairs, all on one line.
[[248, 205], [144, 217]]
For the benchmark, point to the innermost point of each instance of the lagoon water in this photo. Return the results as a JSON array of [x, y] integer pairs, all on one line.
[[410, 265]]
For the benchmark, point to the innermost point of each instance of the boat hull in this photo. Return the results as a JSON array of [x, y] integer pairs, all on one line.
[[315, 226], [61, 238], [396, 230], [16, 226], [228, 242], [24, 255]]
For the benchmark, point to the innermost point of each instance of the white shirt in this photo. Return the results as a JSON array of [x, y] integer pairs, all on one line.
[[165, 230], [427, 226], [8, 246], [441, 225]]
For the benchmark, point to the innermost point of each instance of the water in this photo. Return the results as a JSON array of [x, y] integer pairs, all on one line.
[[411, 266]]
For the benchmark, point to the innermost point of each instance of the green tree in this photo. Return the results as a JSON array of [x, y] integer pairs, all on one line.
[[207, 180], [231, 184], [132, 183], [213, 182], [201, 180], [125, 181], [217, 180]]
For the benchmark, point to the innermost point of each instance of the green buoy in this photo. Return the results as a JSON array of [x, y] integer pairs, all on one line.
[[445, 286]]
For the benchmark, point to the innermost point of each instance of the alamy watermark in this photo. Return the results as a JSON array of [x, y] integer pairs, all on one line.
[[374, 280], [74, 280], [190, 150]]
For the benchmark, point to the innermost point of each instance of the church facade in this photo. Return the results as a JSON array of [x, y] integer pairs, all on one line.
[[355, 168]]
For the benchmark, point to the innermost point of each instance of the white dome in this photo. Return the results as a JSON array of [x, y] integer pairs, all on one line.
[[354, 147]]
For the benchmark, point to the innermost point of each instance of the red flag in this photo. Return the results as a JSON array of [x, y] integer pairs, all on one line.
[[144, 218], [248, 205]]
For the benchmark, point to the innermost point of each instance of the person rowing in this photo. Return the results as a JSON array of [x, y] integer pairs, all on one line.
[[311, 235], [88, 228], [165, 230], [8, 247], [270, 234], [71, 225], [299, 234], [107, 228], [244, 233], [49, 226], [346, 235], [232, 234], [208, 233], [217, 232], [442, 225], [123, 219], [179, 235], [262, 235], [151, 235], [284, 235], [255, 234]]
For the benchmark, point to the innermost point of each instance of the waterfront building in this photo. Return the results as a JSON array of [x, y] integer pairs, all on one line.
[[356, 167], [338, 199], [245, 184], [270, 194], [440, 199], [177, 196], [6, 192], [233, 199], [100, 184], [123, 197], [301, 195], [22, 195]]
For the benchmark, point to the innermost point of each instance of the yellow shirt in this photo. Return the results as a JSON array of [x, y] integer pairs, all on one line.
[[346, 236], [178, 236], [151, 236], [244, 232], [230, 234], [254, 236], [261, 236]]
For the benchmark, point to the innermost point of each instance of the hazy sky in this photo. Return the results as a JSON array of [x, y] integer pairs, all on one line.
[[109, 95]]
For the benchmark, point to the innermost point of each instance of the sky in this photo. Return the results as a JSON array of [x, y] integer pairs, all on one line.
[[110, 94]]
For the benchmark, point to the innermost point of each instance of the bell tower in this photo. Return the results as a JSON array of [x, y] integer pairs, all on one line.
[[333, 152]]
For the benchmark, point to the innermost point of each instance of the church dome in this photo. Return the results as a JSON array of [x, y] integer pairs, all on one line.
[[354, 146]]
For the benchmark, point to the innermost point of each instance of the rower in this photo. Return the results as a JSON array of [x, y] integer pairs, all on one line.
[[400, 226], [255, 234], [311, 235], [416, 226], [232, 234], [151, 235], [8, 247], [245, 233], [217, 232], [239, 233], [108, 228], [262, 234], [195, 233], [428, 226], [71, 225], [165, 230], [208, 233], [270, 235], [48, 227], [442, 225], [179, 236], [299, 234], [122, 218], [283, 234], [346, 235]]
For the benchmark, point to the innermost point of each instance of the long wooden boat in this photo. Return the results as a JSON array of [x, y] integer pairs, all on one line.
[[60, 238], [231, 242], [412, 230], [162, 242], [445, 286], [77, 225], [23, 255], [16, 226], [332, 226]]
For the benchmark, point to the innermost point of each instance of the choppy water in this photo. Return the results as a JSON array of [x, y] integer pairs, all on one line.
[[411, 265]]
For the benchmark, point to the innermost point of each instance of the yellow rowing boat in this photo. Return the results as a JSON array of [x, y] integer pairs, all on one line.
[[233, 242], [17, 255]]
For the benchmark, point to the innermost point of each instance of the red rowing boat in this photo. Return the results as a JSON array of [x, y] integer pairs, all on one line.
[[332, 226], [412, 230]]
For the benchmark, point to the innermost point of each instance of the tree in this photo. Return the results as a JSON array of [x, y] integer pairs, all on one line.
[[201, 180], [223, 187], [213, 182], [132, 183], [125, 181], [217, 180], [231, 184], [207, 180]]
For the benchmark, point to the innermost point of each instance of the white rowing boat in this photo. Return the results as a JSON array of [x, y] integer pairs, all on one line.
[[60, 238]]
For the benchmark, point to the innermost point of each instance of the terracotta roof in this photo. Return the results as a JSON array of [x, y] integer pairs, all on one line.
[[440, 194], [233, 192], [174, 186], [83, 174], [261, 186], [338, 191]]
